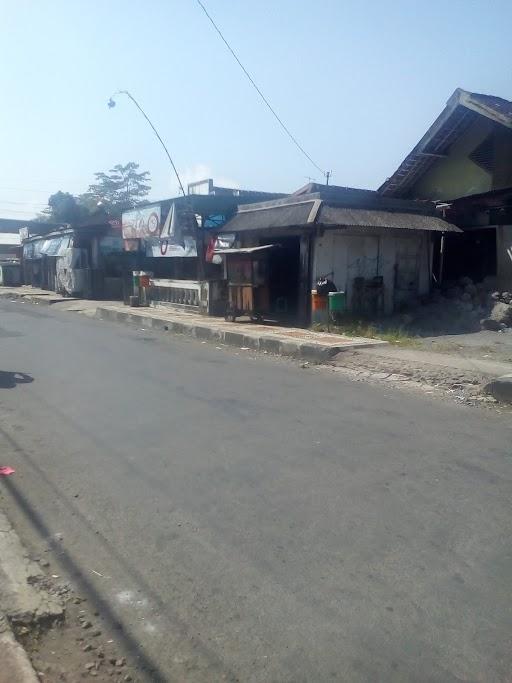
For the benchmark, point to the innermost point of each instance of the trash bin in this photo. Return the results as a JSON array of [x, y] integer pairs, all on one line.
[[319, 311], [337, 303], [136, 282]]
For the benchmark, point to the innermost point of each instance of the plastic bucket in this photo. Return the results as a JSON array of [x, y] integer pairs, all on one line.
[[337, 302], [318, 302], [319, 312]]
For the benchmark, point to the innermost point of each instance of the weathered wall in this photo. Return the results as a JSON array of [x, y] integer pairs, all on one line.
[[456, 175], [504, 257], [348, 255]]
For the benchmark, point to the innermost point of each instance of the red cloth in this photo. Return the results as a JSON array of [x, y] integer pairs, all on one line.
[[5, 470]]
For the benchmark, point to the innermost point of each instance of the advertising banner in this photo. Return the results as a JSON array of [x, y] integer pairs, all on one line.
[[141, 223], [166, 248]]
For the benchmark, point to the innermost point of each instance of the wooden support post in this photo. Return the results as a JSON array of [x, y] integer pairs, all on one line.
[[304, 284]]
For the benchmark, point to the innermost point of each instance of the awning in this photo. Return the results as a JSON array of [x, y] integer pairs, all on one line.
[[247, 250]]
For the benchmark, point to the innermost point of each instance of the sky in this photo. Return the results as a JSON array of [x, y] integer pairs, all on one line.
[[357, 82]]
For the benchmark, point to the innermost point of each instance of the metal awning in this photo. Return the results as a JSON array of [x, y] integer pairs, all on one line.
[[247, 250]]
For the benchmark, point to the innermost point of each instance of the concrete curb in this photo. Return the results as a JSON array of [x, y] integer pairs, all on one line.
[[311, 351], [16, 665], [21, 602]]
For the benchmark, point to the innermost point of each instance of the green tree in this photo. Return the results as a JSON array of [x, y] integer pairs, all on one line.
[[123, 187], [64, 207]]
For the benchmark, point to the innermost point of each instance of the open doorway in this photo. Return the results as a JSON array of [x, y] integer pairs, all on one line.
[[471, 253], [283, 278]]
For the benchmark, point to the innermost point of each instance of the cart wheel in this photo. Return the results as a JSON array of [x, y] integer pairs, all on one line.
[[257, 318], [230, 317]]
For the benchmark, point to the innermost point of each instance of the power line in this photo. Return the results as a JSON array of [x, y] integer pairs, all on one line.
[[276, 116], [6, 201], [25, 189], [6, 210]]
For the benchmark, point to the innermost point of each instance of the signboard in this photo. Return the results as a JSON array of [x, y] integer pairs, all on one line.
[[166, 248], [179, 221], [142, 222]]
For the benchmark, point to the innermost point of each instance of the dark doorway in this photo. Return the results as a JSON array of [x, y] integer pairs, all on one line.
[[471, 253], [283, 278]]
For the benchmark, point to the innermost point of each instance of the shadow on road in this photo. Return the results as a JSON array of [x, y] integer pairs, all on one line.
[[149, 667], [8, 380]]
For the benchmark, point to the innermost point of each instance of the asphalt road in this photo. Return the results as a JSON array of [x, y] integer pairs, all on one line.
[[241, 518]]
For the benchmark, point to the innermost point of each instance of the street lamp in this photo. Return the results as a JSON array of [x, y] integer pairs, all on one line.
[[112, 103]]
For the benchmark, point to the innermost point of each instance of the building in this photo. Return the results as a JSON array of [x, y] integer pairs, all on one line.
[[172, 239], [464, 163], [12, 231], [84, 259], [376, 249]]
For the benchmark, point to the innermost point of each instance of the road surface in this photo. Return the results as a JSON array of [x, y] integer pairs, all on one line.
[[242, 518]]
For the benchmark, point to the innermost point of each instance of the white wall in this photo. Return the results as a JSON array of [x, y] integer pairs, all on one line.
[[348, 255]]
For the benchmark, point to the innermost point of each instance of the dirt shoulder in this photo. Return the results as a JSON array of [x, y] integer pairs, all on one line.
[[441, 375], [58, 635]]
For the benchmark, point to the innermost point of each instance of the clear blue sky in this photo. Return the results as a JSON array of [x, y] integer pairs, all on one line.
[[358, 82]]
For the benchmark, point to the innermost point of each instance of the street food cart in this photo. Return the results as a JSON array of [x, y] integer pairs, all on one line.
[[246, 271]]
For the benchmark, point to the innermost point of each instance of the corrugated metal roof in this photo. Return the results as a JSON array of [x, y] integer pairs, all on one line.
[[11, 239], [348, 217], [247, 250]]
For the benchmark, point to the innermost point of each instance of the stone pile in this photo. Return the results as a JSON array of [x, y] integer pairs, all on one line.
[[500, 316], [481, 300]]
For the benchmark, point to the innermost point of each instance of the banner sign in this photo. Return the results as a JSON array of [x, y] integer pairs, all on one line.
[[142, 222], [165, 248]]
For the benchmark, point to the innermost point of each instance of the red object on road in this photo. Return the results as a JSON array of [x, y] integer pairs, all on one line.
[[5, 470]]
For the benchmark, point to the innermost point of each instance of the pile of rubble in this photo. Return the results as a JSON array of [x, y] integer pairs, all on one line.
[[500, 316], [465, 306]]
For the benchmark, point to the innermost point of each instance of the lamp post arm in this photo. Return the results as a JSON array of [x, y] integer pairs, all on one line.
[[125, 92]]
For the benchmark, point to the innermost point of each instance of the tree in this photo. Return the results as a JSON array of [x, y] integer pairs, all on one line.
[[123, 187], [64, 207]]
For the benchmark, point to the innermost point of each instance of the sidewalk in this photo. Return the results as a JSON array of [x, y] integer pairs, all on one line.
[[285, 341], [33, 295], [454, 361]]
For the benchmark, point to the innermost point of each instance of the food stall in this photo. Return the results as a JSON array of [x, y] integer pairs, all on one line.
[[246, 272]]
